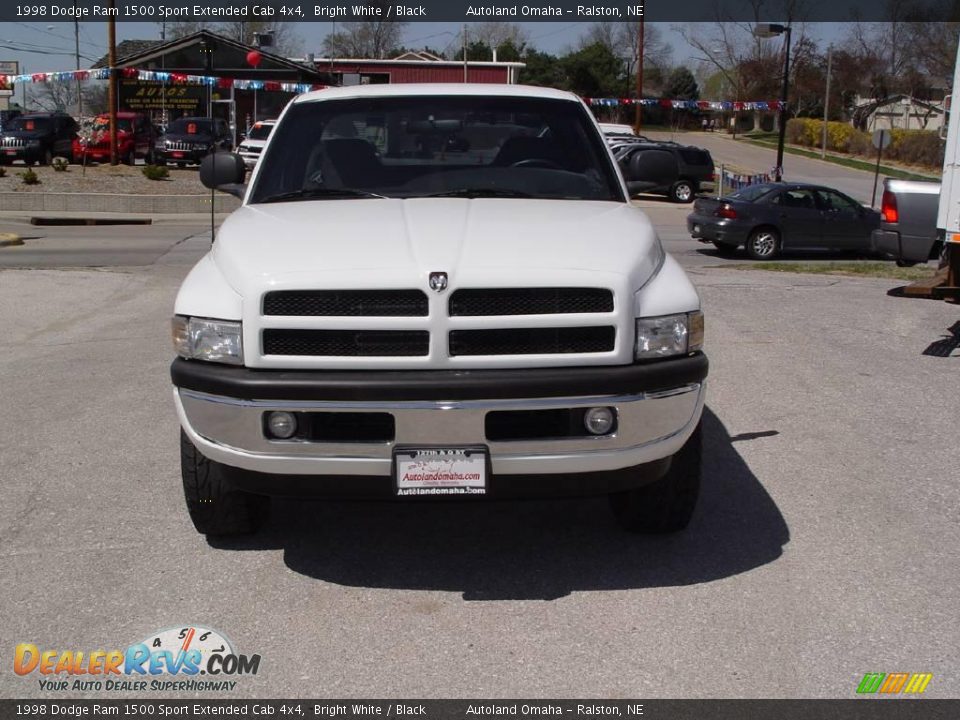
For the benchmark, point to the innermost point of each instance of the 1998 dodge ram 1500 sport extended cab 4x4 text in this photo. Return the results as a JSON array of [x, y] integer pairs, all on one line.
[[436, 290]]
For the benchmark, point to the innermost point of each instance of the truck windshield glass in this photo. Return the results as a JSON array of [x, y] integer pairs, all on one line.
[[428, 146], [190, 126], [29, 123]]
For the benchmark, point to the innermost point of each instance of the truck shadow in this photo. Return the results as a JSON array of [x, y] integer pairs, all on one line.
[[531, 549]]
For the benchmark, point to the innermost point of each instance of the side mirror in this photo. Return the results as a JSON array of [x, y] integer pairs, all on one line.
[[222, 168]]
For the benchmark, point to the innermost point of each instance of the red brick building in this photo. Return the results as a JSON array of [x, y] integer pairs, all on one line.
[[419, 67]]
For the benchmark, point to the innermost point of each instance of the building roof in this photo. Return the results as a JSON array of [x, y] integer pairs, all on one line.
[[228, 58]]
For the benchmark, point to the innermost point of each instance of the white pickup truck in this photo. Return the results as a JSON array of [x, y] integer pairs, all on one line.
[[436, 290]]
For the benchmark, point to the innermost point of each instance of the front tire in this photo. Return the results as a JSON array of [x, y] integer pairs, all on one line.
[[214, 508], [664, 506], [763, 244], [682, 191]]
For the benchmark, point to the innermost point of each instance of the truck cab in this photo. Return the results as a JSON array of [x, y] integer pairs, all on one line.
[[436, 291]]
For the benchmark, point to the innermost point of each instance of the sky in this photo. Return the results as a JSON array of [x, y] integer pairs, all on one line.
[[49, 47]]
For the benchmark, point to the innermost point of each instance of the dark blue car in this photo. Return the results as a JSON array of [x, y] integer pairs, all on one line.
[[775, 217]]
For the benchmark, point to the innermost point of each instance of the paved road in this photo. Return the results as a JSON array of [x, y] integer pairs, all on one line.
[[824, 545], [747, 157]]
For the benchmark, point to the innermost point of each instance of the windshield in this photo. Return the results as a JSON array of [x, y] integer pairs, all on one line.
[[29, 124], [423, 146], [259, 132], [103, 124], [189, 126]]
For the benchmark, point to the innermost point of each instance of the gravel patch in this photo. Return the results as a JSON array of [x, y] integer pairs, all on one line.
[[104, 179]]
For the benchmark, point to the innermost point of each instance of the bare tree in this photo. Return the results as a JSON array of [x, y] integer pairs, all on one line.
[[181, 29], [54, 96], [364, 39], [623, 39], [286, 40], [495, 34]]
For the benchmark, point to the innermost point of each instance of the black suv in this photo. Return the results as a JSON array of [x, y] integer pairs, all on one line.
[[38, 137], [190, 139], [665, 168]]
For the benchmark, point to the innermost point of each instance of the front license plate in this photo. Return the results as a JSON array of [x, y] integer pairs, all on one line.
[[440, 471], [178, 154], [11, 152]]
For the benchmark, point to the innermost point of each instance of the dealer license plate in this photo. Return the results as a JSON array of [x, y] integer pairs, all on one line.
[[178, 154], [11, 152], [440, 471]]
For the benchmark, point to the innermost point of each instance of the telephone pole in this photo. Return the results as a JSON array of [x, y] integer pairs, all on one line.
[[637, 118], [112, 95]]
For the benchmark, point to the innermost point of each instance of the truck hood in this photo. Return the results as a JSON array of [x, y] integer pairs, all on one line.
[[397, 243]]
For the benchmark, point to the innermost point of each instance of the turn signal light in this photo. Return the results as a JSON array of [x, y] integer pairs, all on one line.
[[726, 211], [888, 208]]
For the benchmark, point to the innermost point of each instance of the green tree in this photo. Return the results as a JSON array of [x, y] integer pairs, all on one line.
[[681, 85], [593, 71], [542, 69]]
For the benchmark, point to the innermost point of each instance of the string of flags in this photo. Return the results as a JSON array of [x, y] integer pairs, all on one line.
[[735, 181], [172, 78], [715, 105]]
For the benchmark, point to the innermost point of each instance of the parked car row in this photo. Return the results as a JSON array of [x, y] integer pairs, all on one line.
[[659, 167], [769, 218], [40, 137]]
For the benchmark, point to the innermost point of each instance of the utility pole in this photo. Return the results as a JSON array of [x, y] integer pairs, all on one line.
[[637, 118], [76, 43], [465, 52], [112, 95], [826, 103]]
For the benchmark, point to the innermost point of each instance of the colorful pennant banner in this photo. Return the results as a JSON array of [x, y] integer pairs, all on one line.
[[714, 105], [223, 83]]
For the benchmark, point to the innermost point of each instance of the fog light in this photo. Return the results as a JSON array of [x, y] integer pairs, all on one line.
[[598, 420], [282, 425]]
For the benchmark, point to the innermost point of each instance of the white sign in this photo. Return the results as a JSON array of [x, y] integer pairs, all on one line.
[[881, 139]]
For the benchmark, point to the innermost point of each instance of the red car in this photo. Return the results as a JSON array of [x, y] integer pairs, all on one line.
[[135, 139]]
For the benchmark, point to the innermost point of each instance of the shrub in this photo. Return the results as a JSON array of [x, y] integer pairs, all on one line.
[[60, 164], [29, 177], [156, 172]]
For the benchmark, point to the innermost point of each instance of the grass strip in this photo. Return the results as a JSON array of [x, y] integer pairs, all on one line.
[[886, 270]]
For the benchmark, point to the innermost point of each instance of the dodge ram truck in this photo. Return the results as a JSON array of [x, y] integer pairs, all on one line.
[[436, 291]]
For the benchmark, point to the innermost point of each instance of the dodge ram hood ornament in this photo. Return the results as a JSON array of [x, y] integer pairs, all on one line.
[[438, 281]]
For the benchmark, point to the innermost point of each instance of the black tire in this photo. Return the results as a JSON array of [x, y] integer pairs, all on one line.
[[724, 250], [763, 244], [664, 506], [130, 158], [214, 508], [47, 158], [682, 191]]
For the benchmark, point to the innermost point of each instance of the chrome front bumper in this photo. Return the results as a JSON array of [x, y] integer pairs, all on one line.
[[651, 426]]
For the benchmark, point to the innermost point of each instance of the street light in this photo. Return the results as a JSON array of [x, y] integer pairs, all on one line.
[[768, 30]]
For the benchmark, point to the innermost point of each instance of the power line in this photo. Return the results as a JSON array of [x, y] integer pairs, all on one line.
[[51, 33]]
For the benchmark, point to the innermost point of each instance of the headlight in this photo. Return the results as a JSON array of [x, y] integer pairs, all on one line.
[[668, 335], [211, 340]]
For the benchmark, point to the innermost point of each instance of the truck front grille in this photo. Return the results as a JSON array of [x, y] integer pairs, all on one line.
[[346, 303], [12, 142], [533, 341], [530, 301], [346, 343]]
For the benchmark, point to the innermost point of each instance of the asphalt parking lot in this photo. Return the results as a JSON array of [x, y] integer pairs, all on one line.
[[824, 545]]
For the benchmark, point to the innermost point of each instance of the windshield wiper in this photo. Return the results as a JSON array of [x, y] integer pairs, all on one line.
[[481, 193], [316, 193]]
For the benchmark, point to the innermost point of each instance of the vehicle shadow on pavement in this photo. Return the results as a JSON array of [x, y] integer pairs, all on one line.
[[521, 550]]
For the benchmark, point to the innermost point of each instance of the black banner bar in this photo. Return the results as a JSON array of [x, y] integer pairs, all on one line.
[[873, 708], [461, 11]]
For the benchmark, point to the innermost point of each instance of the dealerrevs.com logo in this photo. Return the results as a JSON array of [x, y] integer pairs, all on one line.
[[183, 659]]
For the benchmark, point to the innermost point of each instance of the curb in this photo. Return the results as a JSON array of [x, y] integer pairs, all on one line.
[[10, 239]]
